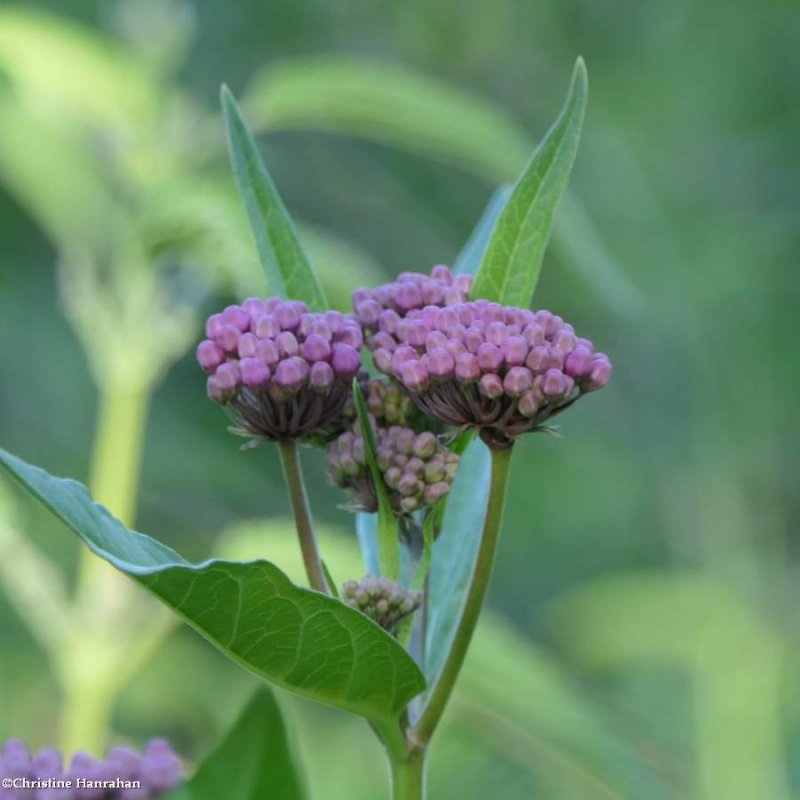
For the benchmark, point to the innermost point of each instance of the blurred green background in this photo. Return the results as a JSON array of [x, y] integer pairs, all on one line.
[[642, 640]]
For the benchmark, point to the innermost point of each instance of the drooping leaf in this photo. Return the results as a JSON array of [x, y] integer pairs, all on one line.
[[454, 552], [471, 255], [300, 640], [511, 264], [254, 760], [391, 104], [388, 536], [76, 75], [288, 269]]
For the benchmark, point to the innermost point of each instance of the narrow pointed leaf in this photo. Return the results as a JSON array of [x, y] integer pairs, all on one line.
[[300, 640], [388, 538], [454, 552], [511, 265], [254, 760], [471, 255], [288, 269]]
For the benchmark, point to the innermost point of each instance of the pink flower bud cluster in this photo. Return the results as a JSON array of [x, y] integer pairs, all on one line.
[[504, 370], [410, 292], [384, 601], [123, 775], [281, 371], [417, 469]]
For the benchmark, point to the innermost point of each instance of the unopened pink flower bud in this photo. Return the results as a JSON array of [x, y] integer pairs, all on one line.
[[228, 337], [414, 375], [517, 381], [554, 383], [228, 376], [291, 373], [248, 345], [579, 362], [467, 367], [440, 363], [515, 350], [266, 327], [491, 385], [345, 360], [316, 348], [236, 316], [287, 344], [321, 375], [254, 372], [209, 355], [490, 357]]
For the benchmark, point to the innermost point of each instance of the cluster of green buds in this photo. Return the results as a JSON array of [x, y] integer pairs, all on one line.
[[382, 600], [417, 469]]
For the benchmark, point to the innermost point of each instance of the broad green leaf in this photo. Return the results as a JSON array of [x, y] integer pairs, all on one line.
[[289, 272], [300, 640], [254, 761], [510, 267], [454, 552], [388, 534], [471, 255]]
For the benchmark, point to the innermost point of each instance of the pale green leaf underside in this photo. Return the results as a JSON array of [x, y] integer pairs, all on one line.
[[288, 269], [252, 762], [511, 265], [295, 638]]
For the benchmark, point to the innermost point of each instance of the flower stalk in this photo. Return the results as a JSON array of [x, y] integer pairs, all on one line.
[[290, 460], [440, 694]]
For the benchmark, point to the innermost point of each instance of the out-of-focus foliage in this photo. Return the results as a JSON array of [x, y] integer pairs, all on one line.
[[649, 559]]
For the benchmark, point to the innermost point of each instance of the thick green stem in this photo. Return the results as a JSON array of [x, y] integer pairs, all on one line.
[[479, 583], [290, 460], [408, 777], [101, 597]]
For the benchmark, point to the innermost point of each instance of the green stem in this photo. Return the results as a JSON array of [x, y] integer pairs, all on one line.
[[290, 460], [101, 593], [479, 583], [408, 777]]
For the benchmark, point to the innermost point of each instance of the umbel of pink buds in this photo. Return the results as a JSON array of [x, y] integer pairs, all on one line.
[[382, 308], [384, 601], [123, 775], [500, 369], [280, 371], [417, 469]]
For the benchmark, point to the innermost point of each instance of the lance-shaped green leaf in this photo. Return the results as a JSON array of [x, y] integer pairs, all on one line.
[[300, 640], [289, 271], [254, 760], [471, 255], [511, 265], [454, 552], [388, 538]]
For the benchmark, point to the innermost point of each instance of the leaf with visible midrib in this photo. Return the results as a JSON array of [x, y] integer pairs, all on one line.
[[298, 639], [254, 760], [289, 271], [511, 265]]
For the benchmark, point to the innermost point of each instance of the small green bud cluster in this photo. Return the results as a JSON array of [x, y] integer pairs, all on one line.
[[417, 469], [382, 600], [388, 403]]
